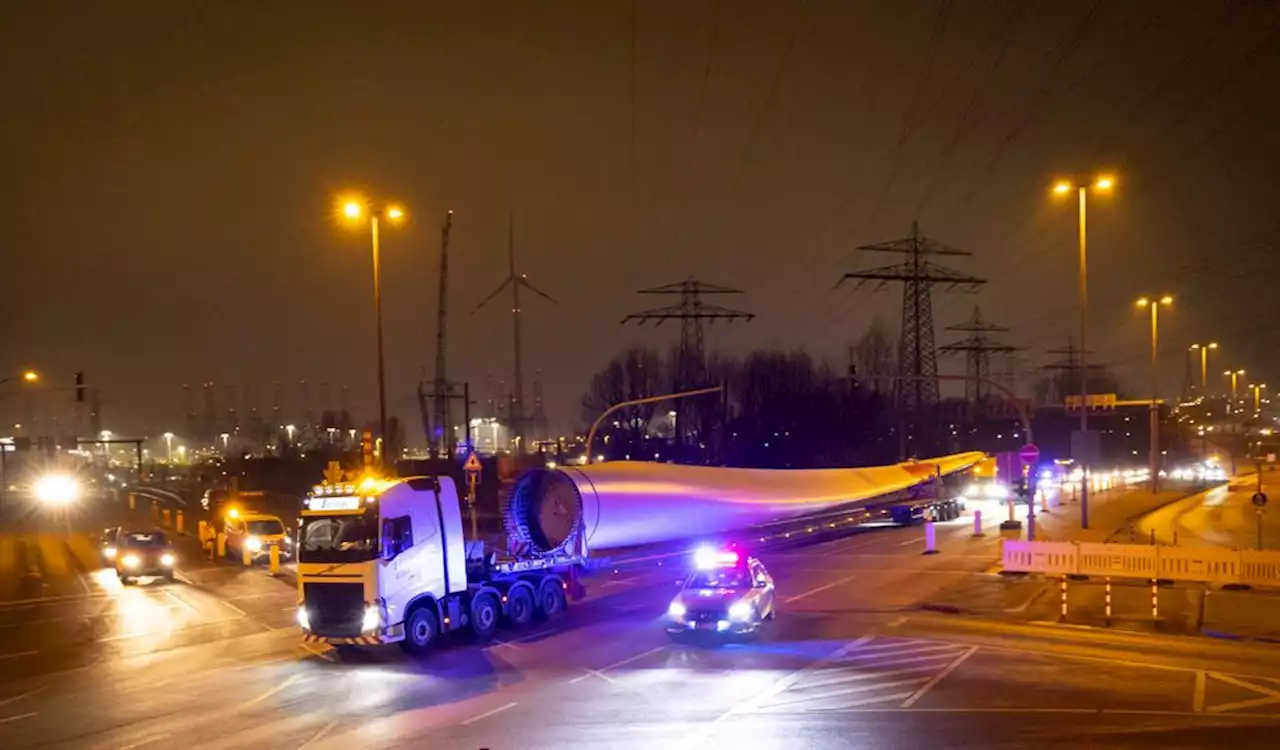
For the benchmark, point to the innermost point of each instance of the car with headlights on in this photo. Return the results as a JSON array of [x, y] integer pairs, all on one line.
[[728, 594], [144, 554], [108, 543], [255, 534]]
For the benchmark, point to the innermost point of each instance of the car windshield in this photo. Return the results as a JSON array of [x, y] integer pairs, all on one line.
[[720, 578], [338, 539], [265, 528], [144, 540]]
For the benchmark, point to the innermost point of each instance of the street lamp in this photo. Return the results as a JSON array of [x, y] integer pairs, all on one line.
[[27, 376], [225, 437], [1153, 459], [354, 210], [1204, 366], [290, 429], [1101, 183], [168, 447], [1257, 397], [1235, 379]]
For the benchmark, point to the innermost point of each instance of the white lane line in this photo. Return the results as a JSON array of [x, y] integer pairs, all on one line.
[[326, 655], [939, 677], [808, 697], [592, 673], [699, 737], [891, 645], [320, 734], [487, 714], [910, 649], [513, 642], [875, 661], [178, 599], [895, 622], [818, 590], [16, 698], [53, 599], [17, 654], [1197, 700], [254, 701], [147, 741], [630, 659], [840, 676], [234, 608], [910, 542], [865, 702], [19, 716]]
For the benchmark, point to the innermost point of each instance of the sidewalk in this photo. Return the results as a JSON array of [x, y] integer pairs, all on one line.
[[1112, 515]]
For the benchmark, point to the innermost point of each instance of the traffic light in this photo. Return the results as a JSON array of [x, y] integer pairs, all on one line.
[[80, 386]]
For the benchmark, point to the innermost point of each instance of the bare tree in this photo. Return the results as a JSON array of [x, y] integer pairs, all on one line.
[[635, 373], [874, 357]]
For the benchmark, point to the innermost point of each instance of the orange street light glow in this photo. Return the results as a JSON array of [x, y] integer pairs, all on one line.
[[30, 376]]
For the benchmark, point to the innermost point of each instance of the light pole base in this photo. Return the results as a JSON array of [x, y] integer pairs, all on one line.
[[1011, 525]]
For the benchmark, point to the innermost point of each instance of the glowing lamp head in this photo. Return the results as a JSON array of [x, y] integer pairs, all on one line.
[[1143, 302], [31, 376], [57, 490], [1104, 182], [352, 210], [395, 213], [1213, 345], [1062, 187], [1166, 300]]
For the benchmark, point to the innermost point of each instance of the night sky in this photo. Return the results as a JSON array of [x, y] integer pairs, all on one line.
[[170, 168]]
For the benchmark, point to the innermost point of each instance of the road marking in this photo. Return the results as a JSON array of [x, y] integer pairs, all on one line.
[[809, 697], [630, 659], [254, 701], [909, 649], [819, 590], [147, 741], [909, 702], [16, 698], [592, 672], [53, 599], [1030, 600], [1270, 696], [1197, 700], [698, 737], [20, 716], [326, 655], [178, 599], [487, 714], [895, 622], [234, 608], [910, 542], [18, 654], [320, 734]]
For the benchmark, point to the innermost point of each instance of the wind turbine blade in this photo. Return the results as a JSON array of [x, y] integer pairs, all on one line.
[[492, 294], [522, 281]]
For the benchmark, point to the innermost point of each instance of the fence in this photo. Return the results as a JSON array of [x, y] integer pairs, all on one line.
[[1200, 564]]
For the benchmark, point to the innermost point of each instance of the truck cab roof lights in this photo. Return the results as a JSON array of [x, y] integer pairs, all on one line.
[[707, 558]]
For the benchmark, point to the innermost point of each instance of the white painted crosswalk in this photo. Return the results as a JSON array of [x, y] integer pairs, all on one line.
[[881, 671]]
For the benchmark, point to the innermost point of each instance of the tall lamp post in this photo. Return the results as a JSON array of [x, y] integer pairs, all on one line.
[[1235, 383], [354, 210], [1082, 185], [168, 448], [1153, 426], [1257, 397], [1204, 366]]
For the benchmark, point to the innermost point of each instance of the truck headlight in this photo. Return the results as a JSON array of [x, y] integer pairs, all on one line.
[[109, 553], [167, 560], [372, 618], [676, 610], [253, 544], [304, 621], [740, 611], [130, 560]]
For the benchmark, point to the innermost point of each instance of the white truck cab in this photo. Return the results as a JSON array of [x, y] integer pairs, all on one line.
[[385, 561]]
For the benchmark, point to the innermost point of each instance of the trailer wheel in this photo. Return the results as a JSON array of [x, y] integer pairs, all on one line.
[[520, 607], [420, 631], [551, 602], [484, 616]]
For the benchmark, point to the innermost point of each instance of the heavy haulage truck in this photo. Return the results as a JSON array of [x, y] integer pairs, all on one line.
[[386, 561]]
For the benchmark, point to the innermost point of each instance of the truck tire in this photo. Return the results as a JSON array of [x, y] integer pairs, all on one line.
[[551, 601], [420, 631], [484, 616], [519, 607]]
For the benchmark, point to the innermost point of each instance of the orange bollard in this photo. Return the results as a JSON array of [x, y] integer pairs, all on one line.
[[275, 560], [177, 522], [165, 518]]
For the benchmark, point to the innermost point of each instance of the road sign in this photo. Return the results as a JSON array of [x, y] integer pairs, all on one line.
[[473, 464], [1259, 499], [1029, 454]]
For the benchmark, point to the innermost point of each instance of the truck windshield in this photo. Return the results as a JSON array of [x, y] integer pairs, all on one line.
[[266, 528], [338, 539]]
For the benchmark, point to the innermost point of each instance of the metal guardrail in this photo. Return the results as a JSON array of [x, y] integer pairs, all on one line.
[[1149, 562]]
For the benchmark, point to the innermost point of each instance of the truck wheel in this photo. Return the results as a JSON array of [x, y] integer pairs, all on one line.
[[551, 601], [484, 616], [126, 580], [420, 631], [519, 607]]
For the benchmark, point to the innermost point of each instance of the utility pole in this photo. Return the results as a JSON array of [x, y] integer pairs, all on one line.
[[978, 349], [692, 312], [515, 281], [441, 438], [917, 390]]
